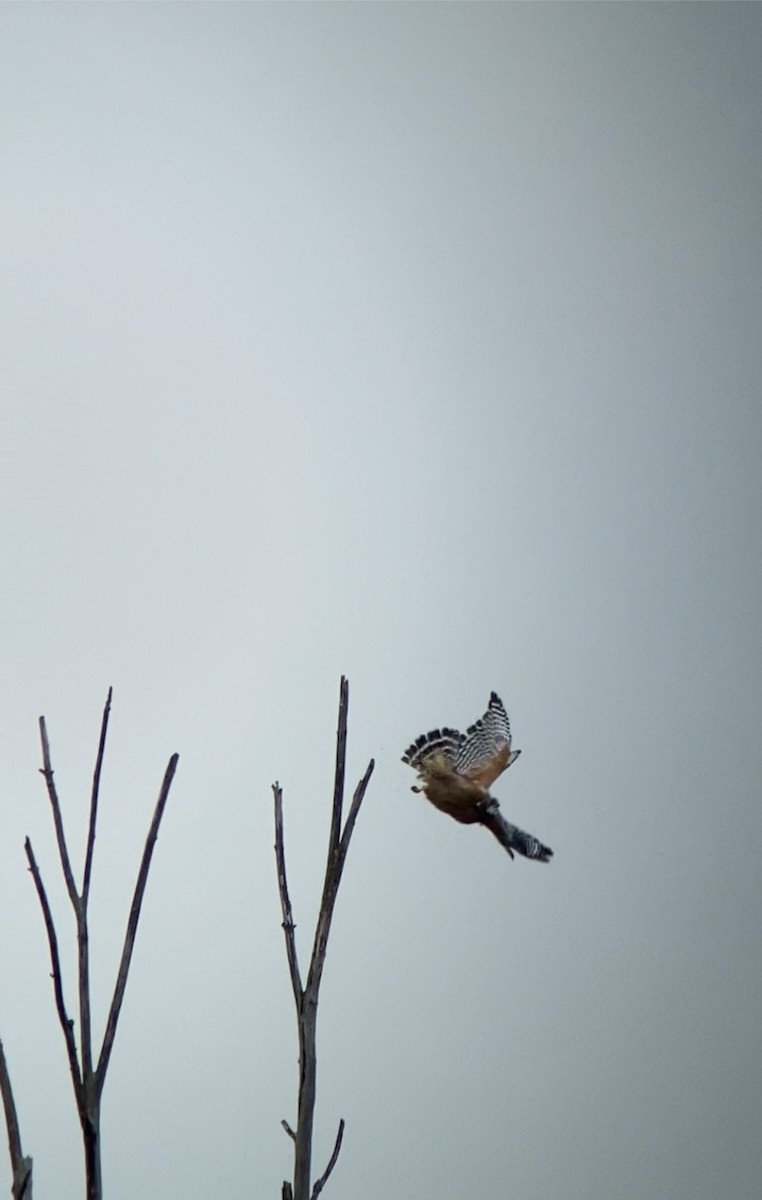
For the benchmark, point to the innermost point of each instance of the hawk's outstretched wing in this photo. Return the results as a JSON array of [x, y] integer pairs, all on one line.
[[446, 742], [485, 751]]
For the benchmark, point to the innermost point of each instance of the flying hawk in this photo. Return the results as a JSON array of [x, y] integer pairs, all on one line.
[[456, 770]]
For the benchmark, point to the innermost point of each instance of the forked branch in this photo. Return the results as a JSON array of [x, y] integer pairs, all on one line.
[[87, 1082], [306, 996], [333, 873]]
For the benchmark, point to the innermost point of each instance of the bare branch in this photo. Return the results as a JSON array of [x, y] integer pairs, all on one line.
[[285, 900], [67, 1025], [354, 809], [11, 1119], [22, 1180], [286, 1192], [47, 771], [21, 1167], [132, 925], [83, 978], [306, 996], [94, 801], [83, 936], [323, 1180], [341, 762], [333, 875]]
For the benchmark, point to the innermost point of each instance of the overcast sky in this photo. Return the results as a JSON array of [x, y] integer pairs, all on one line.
[[419, 343]]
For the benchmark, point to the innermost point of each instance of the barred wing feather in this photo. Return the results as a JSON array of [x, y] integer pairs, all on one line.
[[447, 742], [485, 751]]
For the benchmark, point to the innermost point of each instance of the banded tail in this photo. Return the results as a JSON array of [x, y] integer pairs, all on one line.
[[514, 839]]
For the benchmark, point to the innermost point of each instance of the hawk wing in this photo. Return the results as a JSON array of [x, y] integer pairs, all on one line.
[[444, 742], [485, 751]]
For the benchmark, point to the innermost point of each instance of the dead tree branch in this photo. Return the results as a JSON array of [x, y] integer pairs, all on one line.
[[21, 1167], [322, 1181], [47, 771], [340, 770], [80, 909], [64, 1020], [87, 1082], [306, 996], [333, 873], [9, 1107], [285, 900], [94, 801], [132, 925]]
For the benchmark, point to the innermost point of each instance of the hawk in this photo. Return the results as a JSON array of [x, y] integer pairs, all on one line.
[[456, 770]]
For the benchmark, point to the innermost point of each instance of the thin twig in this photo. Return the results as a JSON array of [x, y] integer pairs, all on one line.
[[354, 809], [47, 771], [67, 1025], [341, 762], [289, 1130], [285, 900], [132, 925], [322, 1181], [83, 936], [94, 801]]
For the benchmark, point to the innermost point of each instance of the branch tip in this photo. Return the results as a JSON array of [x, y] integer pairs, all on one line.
[[288, 925], [322, 1181]]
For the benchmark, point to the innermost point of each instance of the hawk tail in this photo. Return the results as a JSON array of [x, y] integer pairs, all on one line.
[[514, 839]]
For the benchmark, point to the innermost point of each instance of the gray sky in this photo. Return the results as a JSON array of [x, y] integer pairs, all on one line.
[[420, 343]]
